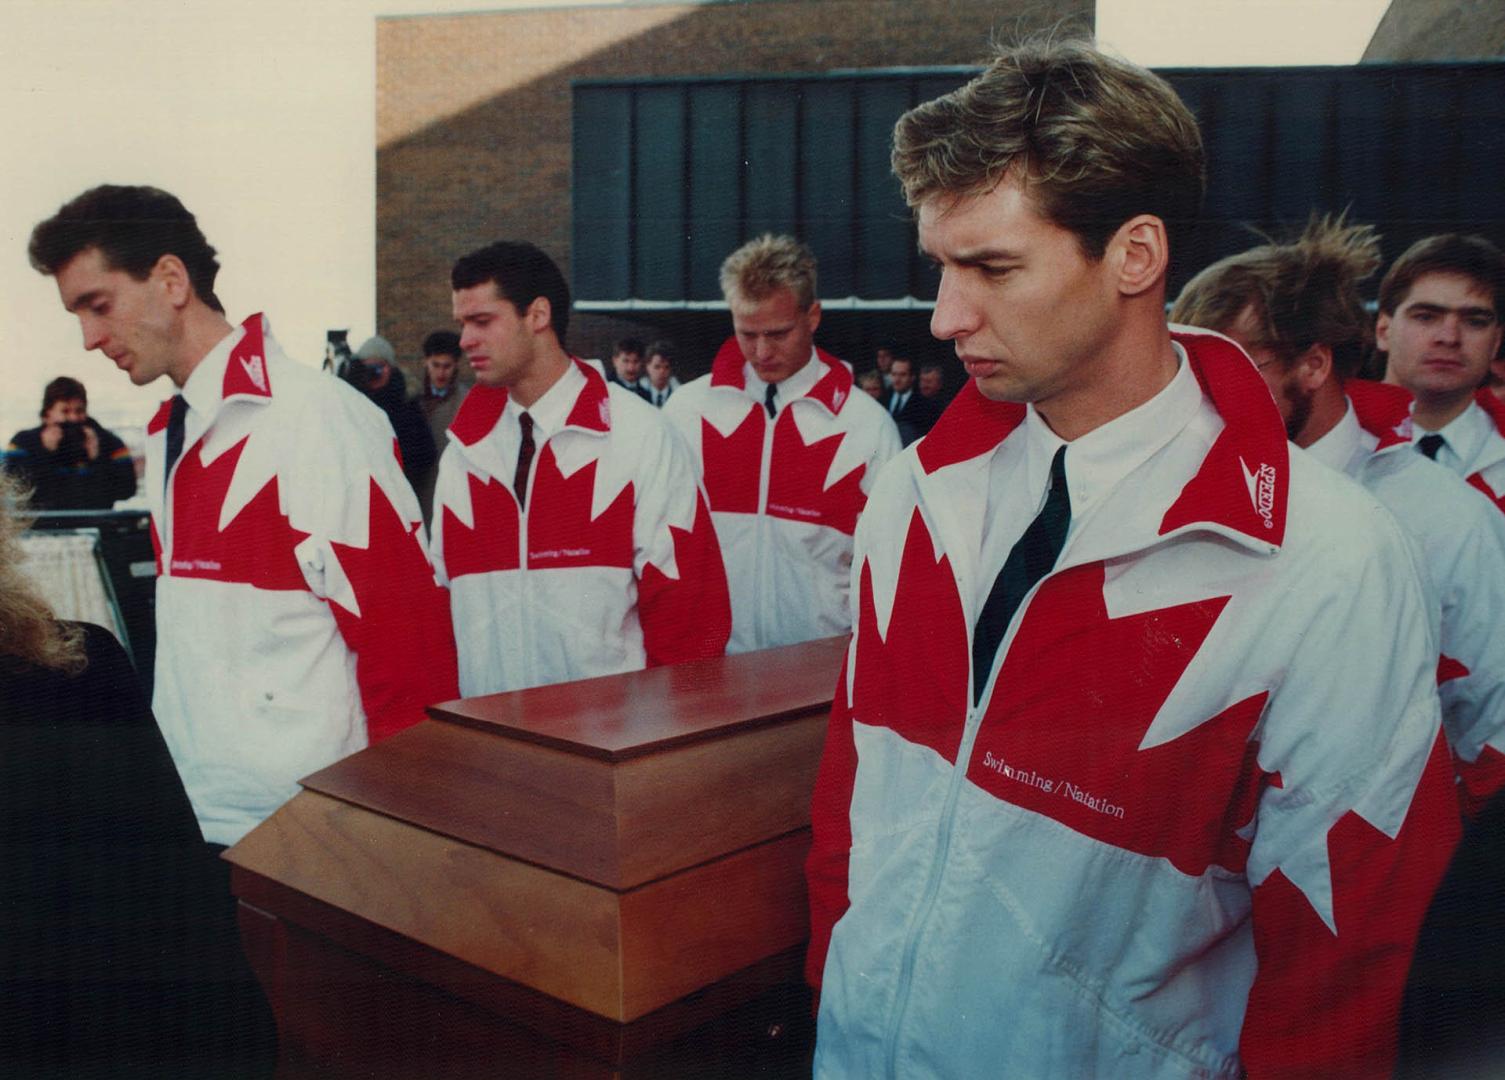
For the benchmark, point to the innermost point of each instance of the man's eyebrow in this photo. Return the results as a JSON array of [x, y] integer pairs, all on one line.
[[83, 300], [1442, 309], [977, 257]]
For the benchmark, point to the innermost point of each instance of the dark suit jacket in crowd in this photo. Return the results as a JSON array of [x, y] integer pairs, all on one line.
[[917, 417]]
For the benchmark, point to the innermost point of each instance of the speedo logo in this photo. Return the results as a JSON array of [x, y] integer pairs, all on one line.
[[255, 371], [1261, 485]]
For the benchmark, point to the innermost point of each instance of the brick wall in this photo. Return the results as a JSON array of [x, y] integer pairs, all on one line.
[[473, 114]]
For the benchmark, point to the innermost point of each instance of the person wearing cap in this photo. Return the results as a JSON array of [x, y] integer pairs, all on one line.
[[380, 380]]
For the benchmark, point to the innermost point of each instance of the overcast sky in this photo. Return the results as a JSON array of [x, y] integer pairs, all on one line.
[[259, 114]]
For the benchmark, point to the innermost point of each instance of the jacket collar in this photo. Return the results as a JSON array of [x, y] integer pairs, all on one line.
[[1243, 484], [483, 406], [1382, 410], [1493, 406], [236, 369], [832, 390]]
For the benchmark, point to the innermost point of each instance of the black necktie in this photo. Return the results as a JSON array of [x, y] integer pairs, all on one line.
[[174, 438], [524, 461], [773, 388], [897, 404], [1430, 444], [1031, 559]]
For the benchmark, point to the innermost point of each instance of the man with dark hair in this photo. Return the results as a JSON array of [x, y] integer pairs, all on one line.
[[1295, 309], [1135, 766], [70, 462], [914, 413], [626, 367], [787, 447], [883, 359], [658, 380], [297, 616], [567, 521], [1439, 326], [439, 399]]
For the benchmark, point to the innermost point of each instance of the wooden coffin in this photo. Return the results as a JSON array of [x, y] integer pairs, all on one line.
[[602, 866]]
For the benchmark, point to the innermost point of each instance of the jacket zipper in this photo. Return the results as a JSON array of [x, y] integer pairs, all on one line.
[[765, 468], [526, 596], [943, 834]]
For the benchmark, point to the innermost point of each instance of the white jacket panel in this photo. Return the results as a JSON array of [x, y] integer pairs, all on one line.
[[785, 494]]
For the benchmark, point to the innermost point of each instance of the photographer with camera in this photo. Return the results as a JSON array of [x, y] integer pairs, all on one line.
[[71, 462]]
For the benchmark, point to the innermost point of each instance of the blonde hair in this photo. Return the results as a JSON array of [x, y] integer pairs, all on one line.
[[28, 629], [761, 267], [1094, 140], [1301, 293]]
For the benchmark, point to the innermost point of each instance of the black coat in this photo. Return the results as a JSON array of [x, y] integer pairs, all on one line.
[[917, 417], [65, 479], [111, 941]]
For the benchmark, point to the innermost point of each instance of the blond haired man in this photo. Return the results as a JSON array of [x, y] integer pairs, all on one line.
[[787, 452], [1135, 767], [1295, 309]]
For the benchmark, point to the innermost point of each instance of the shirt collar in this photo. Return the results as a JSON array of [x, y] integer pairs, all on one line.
[[1346, 444], [1241, 487], [1099, 460], [1465, 433], [551, 412], [796, 386]]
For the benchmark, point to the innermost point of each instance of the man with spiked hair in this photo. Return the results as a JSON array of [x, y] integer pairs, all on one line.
[[1135, 767], [1295, 309], [787, 451]]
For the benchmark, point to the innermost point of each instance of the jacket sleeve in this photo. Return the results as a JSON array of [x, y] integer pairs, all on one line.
[[886, 444], [830, 823], [1354, 827], [1471, 674], [684, 605], [364, 555], [116, 473]]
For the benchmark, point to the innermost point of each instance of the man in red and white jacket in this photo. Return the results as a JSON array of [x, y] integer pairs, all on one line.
[[1439, 326], [786, 450], [297, 615], [1295, 309], [567, 520], [1135, 767]]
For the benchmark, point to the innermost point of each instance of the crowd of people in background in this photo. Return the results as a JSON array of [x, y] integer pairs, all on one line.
[[1026, 571]]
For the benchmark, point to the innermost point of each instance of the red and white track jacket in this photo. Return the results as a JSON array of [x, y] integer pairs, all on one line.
[[1195, 823], [613, 566], [297, 614], [1487, 471], [786, 494], [1463, 542]]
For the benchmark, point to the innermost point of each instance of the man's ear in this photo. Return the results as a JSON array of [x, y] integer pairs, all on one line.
[[540, 314], [812, 316], [1313, 367], [172, 275], [1141, 253]]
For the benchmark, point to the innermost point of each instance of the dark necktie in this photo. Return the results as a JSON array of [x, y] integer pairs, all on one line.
[[773, 388], [174, 438], [896, 404], [1430, 444], [1031, 559], [524, 461]]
